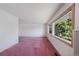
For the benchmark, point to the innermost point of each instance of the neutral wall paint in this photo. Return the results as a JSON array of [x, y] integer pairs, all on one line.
[[77, 17], [76, 42], [62, 48], [32, 30], [76, 33], [8, 30]]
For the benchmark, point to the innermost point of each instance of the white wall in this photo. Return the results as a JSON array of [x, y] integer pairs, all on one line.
[[8, 30], [76, 41], [77, 17], [32, 30], [62, 48]]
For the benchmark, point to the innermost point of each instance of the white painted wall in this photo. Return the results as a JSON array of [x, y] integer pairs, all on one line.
[[77, 17], [32, 17], [32, 30], [62, 48], [8, 30], [76, 34]]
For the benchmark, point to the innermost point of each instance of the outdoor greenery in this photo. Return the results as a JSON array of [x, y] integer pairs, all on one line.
[[63, 29]]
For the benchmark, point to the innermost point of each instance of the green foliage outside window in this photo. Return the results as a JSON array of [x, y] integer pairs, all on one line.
[[63, 29]]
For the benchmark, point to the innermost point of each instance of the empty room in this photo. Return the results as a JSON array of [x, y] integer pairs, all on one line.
[[39, 29]]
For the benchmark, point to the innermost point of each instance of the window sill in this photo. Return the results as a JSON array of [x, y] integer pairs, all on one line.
[[63, 40]]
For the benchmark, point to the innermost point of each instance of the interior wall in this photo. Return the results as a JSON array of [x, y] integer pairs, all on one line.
[[77, 17], [76, 34], [8, 30], [32, 30], [61, 47]]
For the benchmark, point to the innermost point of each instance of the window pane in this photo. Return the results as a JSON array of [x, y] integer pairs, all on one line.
[[63, 27]]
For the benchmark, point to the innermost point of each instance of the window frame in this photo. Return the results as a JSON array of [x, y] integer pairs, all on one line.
[[50, 29], [71, 8]]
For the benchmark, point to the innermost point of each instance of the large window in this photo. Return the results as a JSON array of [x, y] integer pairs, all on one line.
[[63, 27]]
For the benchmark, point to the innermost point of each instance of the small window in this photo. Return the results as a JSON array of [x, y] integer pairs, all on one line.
[[50, 29]]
